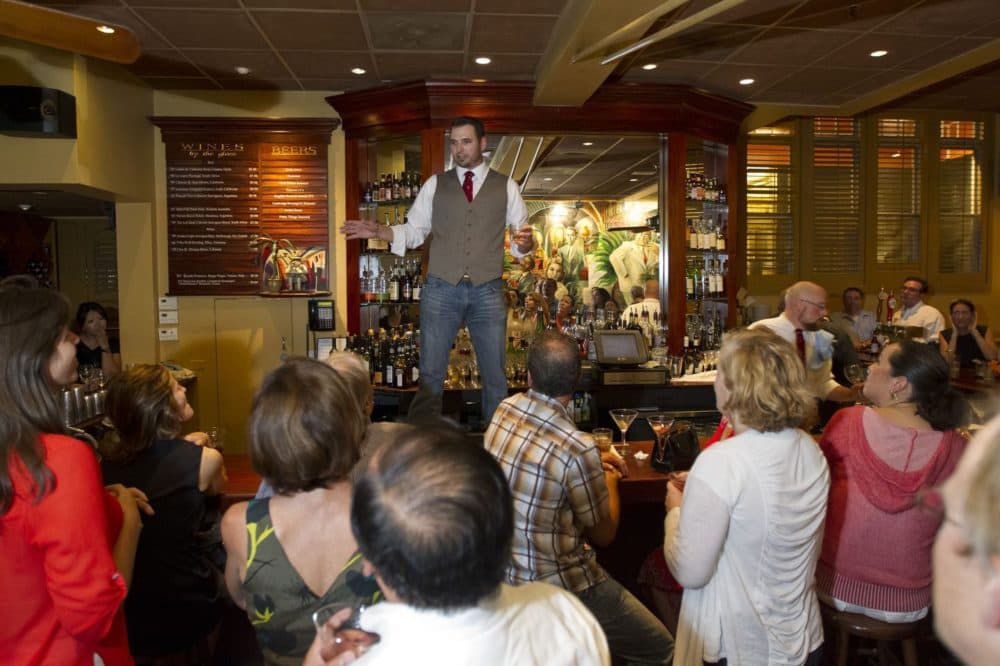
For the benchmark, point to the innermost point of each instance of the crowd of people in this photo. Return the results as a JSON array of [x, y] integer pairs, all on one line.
[[468, 554]]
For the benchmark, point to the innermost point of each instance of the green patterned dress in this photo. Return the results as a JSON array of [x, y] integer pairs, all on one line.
[[279, 603]]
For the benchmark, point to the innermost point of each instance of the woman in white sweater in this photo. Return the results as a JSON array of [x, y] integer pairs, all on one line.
[[743, 533]]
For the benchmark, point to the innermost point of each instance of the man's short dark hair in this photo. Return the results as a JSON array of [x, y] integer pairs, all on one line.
[[860, 291], [433, 514], [475, 123], [554, 363], [924, 285]]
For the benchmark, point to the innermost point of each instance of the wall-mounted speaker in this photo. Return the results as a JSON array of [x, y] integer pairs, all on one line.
[[38, 112]]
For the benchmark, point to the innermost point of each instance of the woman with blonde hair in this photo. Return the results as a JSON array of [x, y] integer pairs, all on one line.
[[292, 553], [743, 532], [176, 600]]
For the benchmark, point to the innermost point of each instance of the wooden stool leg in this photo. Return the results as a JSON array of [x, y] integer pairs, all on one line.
[[910, 652], [843, 647]]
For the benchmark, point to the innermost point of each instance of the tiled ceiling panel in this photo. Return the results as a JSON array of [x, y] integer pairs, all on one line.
[[418, 31], [798, 51]]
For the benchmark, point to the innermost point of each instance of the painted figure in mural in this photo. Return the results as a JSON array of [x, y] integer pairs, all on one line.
[[573, 260], [635, 261]]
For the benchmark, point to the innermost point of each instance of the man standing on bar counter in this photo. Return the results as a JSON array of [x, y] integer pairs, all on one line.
[[800, 324], [566, 497], [467, 208]]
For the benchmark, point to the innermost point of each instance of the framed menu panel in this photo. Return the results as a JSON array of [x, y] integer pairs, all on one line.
[[247, 205]]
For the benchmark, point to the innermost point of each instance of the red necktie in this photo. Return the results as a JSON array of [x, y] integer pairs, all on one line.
[[800, 345], [467, 186]]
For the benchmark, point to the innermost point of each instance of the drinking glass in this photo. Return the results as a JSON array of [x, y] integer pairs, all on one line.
[[855, 373], [602, 438], [660, 423], [348, 636], [623, 419]]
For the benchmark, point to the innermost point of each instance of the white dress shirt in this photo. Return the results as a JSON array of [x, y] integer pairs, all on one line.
[[924, 316], [819, 364], [418, 224]]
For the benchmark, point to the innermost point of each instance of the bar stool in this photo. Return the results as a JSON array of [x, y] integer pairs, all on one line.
[[852, 624]]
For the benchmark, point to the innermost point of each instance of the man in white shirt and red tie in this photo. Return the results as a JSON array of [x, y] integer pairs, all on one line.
[[799, 323], [468, 207]]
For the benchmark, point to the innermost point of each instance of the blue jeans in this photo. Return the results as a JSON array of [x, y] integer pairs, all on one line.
[[443, 308], [634, 634]]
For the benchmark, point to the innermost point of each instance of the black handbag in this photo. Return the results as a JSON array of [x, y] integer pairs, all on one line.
[[681, 448]]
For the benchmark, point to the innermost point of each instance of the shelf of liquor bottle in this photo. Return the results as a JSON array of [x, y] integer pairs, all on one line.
[[706, 202], [388, 302], [706, 251], [293, 294], [390, 202], [412, 252]]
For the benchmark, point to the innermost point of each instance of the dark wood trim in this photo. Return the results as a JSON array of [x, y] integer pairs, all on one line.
[[736, 236], [676, 224], [352, 201], [506, 107], [220, 125]]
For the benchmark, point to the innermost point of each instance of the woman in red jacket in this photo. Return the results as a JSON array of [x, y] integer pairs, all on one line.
[[876, 557], [66, 545]]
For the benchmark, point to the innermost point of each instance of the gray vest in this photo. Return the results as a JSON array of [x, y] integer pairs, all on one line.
[[468, 237]]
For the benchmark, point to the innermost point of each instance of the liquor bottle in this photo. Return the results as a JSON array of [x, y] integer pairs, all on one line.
[[720, 239], [394, 285], [689, 282], [402, 370], [396, 187], [890, 306], [406, 289], [415, 185], [880, 308], [418, 285]]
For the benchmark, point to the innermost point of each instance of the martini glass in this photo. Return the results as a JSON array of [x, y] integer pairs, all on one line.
[[623, 419], [660, 425]]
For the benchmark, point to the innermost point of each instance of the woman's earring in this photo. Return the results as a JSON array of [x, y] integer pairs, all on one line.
[[892, 396]]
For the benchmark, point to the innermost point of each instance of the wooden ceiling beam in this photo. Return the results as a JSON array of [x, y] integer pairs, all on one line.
[[67, 32]]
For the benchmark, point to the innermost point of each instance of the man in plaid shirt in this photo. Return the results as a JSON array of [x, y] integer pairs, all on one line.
[[566, 497]]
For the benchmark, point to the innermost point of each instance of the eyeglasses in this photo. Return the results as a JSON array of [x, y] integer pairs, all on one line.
[[821, 306], [916, 289], [931, 503]]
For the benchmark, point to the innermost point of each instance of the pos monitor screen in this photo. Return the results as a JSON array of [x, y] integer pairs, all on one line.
[[620, 347]]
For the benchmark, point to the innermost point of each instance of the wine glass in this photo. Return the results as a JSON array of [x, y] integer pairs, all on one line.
[[661, 423], [623, 419], [349, 635], [855, 373]]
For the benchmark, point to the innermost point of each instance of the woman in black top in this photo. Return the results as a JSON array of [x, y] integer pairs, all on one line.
[[94, 348], [972, 342], [175, 601]]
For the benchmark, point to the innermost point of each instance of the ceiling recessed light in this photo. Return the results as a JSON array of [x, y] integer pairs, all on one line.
[[483, 60], [649, 65], [897, 154], [747, 82], [359, 71], [106, 29], [633, 180], [241, 70], [547, 178], [588, 143], [479, 80], [878, 53], [25, 207]]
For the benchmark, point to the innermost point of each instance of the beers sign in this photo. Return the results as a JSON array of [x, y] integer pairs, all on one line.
[[229, 180]]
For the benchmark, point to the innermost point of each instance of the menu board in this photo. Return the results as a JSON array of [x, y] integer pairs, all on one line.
[[247, 217]]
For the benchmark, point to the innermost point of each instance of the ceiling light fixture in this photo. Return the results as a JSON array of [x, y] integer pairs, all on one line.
[[649, 65], [588, 143], [633, 180], [483, 60], [106, 29], [547, 178], [897, 154], [878, 53], [25, 207], [241, 70], [359, 71], [747, 82]]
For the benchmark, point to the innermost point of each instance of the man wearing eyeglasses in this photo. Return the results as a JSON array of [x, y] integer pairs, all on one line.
[[801, 324], [917, 313]]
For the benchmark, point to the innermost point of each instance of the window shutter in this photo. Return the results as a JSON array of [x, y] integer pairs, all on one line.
[[770, 228], [897, 194], [960, 198], [836, 235]]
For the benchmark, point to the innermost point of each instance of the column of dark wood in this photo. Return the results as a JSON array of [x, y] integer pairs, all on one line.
[[736, 236], [676, 223], [352, 201]]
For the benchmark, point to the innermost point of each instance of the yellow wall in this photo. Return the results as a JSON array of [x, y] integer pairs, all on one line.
[[119, 155]]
